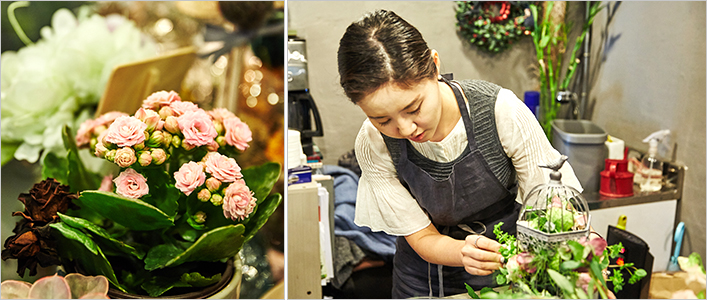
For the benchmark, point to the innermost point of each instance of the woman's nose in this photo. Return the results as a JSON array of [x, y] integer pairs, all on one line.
[[406, 127]]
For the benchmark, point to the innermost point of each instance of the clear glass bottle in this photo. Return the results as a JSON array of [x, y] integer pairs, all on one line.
[[652, 170]]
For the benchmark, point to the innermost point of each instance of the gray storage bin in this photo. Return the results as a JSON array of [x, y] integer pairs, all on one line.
[[583, 143]]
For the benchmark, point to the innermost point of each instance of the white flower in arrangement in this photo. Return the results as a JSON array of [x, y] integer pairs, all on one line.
[[59, 79]]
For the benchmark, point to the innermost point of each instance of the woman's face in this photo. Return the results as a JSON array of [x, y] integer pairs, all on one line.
[[412, 114]]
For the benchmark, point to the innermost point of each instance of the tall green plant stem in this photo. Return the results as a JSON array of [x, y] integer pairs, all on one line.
[[546, 38]]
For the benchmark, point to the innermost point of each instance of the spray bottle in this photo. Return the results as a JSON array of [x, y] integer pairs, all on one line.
[[652, 168]]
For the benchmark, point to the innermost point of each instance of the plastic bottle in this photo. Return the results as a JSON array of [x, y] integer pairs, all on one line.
[[652, 168]]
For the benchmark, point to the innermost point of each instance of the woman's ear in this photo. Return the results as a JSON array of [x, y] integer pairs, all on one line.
[[435, 58]]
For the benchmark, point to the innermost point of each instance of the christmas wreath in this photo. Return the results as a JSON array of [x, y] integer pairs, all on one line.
[[493, 25]]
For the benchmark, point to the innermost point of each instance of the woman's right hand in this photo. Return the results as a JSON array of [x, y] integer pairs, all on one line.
[[480, 255]]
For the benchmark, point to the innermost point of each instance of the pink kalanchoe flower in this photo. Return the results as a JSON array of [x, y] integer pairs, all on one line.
[[171, 124], [220, 114], [131, 184], [89, 127], [213, 184], [125, 157], [106, 184], [556, 202], [189, 177], [109, 117], [100, 150], [525, 260], [126, 132], [580, 221], [159, 99], [204, 195], [583, 281], [197, 128], [158, 155], [150, 117], [83, 135], [181, 107], [238, 133], [222, 167], [145, 158], [238, 201]]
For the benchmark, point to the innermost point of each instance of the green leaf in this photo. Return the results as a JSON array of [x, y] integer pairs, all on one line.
[[577, 249], [570, 265], [261, 215], [470, 291], [55, 167], [131, 213], [596, 271], [197, 280], [160, 255], [80, 223], [216, 244], [637, 275], [163, 195], [157, 285], [8, 150], [261, 179], [76, 246], [500, 279], [544, 41], [562, 282], [618, 280], [79, 177]]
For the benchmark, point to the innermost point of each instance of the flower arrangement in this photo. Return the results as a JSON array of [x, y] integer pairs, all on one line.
[[72, 63], [571, 270], [180, 205]]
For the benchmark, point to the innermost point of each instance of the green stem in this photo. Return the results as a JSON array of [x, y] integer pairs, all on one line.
[[16, 25]]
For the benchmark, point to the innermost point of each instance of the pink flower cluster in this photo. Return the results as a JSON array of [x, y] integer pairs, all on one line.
[[165, 126], [237, 199]]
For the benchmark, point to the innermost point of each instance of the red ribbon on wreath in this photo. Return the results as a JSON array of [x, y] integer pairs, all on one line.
[[503, 12]]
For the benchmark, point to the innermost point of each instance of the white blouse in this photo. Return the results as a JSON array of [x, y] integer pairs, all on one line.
[[383, 204]]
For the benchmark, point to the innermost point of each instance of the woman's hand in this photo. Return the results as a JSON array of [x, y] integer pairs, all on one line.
[[480, 255]]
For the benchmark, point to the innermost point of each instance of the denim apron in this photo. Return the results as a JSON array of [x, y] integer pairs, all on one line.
[[471, 195]]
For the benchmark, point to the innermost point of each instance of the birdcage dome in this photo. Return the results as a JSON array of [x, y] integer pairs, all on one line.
[[552, 213]]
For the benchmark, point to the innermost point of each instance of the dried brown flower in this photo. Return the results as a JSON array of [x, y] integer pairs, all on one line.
[[32, 243], [31, 246], [44, 200]]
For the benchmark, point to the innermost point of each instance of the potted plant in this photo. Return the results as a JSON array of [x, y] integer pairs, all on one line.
[[179, 208], [550, 36]]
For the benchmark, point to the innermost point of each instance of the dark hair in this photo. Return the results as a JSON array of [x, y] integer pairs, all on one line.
[[379, 48]]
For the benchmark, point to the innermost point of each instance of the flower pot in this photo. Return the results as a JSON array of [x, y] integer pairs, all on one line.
[[229, 287]]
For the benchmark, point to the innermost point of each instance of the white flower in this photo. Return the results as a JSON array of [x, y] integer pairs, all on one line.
[[65, 70]]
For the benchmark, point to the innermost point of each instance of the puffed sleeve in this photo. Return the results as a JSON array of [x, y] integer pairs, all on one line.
[[525, 143], [382, 203]]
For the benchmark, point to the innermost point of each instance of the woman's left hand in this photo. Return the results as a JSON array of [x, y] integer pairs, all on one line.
[[480, 255]]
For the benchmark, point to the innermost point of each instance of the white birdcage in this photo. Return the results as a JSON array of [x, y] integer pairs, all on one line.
[[552, 214]]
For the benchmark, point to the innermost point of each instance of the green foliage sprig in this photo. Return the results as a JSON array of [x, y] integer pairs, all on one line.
[[571, 271]]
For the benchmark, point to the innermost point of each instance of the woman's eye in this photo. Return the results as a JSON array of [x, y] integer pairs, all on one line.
[[416, 111], [384, 123]]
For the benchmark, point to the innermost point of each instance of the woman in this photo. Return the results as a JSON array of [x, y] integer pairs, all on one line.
[[442, 162]]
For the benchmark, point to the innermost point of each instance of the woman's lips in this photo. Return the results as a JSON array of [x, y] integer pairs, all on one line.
[[418, 137]]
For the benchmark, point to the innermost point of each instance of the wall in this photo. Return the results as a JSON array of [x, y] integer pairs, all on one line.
[[652, 76]]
